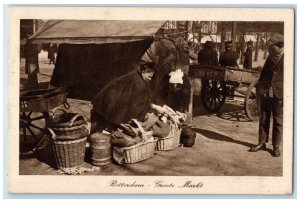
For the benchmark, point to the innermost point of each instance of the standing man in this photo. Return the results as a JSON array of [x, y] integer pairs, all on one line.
[[248, 56], [208, 57], [229, 57], [270, 96]]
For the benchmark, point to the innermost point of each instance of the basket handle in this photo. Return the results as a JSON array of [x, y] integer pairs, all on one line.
[[58, 108], [75, 117], [53, 135], [67, 105], [139, 125]]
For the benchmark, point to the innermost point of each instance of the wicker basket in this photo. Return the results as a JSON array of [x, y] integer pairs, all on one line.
[[65, 119], [171, 141], [71, 133], [136, 153], [69, 154], [75, 128]]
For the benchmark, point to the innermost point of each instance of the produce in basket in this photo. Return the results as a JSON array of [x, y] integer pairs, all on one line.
[[133, 149], [120, 139], [130, 130], [149, 121], [176, 116], [161, 129]]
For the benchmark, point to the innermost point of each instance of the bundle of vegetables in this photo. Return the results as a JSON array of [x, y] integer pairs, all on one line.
[[162, 120], [158, 123], [130, 134]]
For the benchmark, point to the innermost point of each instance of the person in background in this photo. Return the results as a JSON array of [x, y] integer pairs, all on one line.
[[208, 57], [124, 98], [51, 53], [270, 96], [194, 49], [229, 57], [31, 52], [248, 56], [178, 93]]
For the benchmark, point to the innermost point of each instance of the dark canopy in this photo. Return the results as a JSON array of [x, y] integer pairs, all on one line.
[[92, 53]]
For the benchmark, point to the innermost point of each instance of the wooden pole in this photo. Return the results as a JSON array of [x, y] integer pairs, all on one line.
[[189, 118], [256, 47], [242, 40], [233, 36], [33, 26], [186, 36], [222, 37], [265, 48], [200, 33], [193, 28]]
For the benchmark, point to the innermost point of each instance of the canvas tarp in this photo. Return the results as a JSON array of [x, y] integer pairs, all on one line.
[[92, 53], [95, 31], [86, 68]]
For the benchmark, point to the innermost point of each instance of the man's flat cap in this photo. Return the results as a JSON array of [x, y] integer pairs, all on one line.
[[274, 39]]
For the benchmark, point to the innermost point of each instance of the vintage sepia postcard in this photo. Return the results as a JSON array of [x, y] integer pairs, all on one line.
[[150, 100]]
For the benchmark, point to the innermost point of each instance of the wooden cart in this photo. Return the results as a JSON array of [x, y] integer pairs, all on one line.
[[215, 83], [34, 112]]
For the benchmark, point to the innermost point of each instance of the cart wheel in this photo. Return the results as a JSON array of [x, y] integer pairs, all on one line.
[[32, 131], [213, 95], [250, 103]]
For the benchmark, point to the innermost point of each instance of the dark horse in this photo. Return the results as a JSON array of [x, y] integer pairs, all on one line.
[[169, 55]]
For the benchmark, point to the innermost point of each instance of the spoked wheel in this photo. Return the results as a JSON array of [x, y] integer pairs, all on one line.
[[213, 95], [250, 103], [32, 131]]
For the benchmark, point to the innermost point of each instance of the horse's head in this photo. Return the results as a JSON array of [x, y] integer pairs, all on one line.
[[167, 53], [163, 51]]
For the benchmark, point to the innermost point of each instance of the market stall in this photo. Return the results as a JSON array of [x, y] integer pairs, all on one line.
[[93, 52], [90, 55]]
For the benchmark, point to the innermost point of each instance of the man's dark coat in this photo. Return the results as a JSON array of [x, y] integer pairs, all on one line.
[[271, 76]]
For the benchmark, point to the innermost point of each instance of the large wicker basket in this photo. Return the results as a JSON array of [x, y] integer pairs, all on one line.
[[69, 153], [136, 153], [171, 141], [68, 139]]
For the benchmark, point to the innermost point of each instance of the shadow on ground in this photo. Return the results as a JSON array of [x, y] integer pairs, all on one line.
[[217, 136], [234, 116]]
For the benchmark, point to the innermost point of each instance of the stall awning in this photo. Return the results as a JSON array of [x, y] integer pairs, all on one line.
[[250, 38], [214, 38], [95, 31]]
